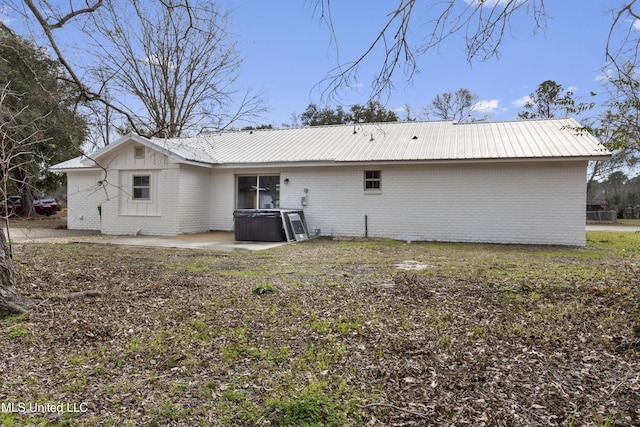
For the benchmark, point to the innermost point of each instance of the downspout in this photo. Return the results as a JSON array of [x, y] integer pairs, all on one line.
[[366, 226]]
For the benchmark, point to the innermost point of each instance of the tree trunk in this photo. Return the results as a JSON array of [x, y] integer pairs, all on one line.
[[11, 302], [21, 177]]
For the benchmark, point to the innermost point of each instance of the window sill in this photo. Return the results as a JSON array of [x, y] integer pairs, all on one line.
[[372, 192]]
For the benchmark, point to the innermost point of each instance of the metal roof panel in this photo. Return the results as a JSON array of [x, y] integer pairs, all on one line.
[[394, 141]]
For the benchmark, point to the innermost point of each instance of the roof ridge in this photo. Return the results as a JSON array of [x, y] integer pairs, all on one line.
[[490, 122]]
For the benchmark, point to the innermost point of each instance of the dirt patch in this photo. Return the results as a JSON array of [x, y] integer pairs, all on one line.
[[412, 266]]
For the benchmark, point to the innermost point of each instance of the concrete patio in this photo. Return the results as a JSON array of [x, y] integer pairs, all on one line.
[[215, 240]]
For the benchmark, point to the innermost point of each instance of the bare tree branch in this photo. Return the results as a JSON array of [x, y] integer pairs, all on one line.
[[484, 25], [624, 24], [172, 56], [69, 16], [54, 45]]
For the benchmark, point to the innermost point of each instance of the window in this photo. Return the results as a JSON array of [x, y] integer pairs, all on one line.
[[138, 152], [372, 180], [258, 192], [141, 187]]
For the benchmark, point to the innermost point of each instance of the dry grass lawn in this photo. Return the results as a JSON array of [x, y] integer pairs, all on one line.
[[327, 332]]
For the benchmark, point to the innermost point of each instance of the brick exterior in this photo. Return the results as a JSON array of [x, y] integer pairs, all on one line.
[[500, 202], [84, 194], [179, 200], [192, 200], [222, 194], [534, 203]]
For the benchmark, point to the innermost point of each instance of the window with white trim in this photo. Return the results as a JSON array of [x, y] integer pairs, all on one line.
[[141, 187], [372, 180]]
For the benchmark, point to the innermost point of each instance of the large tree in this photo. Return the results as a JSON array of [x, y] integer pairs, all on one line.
[[618, 127], [39, 125], [458, 106], [372, 112], [170, 68], [18, 135], [318, 116], [623, 109], [11, 301], [48, 112], [549, 100], [177, 60]]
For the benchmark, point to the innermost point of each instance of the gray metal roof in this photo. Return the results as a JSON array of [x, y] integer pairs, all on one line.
[[80, 162], [378, 142], [398, 141]]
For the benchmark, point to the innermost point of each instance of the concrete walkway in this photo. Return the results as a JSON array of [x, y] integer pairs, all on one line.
[[217, 240], [24, 234], [613, 227], [220, 240]]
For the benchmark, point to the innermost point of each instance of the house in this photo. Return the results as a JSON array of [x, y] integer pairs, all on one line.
[[502, 182]]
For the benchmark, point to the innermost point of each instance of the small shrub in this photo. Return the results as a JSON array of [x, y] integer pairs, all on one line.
[[311, 410], [171, 411], [234, 395], [263, 288], [17, 332]]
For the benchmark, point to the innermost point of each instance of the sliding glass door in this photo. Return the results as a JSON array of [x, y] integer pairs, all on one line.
[[258, 192]]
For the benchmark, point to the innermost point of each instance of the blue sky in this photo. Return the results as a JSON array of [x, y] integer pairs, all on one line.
[[288, 52]]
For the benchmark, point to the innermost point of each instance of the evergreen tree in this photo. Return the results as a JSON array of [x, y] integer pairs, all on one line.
[[48, 112], [547, 101], [373, 112]]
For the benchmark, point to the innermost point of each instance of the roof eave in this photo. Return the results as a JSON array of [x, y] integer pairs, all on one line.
[[479, 160], [180, 160], [78, 169], [282, 164], [309, 163]]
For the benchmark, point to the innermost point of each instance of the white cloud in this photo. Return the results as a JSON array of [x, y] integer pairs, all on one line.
[[607, 75], [610, 74], [157, 60], [4, 18], [520, 102], [636, 24], [486, 106]]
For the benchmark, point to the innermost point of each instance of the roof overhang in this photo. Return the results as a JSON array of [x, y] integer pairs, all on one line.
[[173, 156], [333, 163]]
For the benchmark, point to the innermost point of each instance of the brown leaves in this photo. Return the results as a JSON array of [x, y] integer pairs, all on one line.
[[483, 336]]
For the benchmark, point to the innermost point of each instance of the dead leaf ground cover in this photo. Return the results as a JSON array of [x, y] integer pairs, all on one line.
[[327, 332]]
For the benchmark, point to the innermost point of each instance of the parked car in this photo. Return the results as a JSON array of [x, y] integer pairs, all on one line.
[[12, 207], [45, 206], [41, 205]]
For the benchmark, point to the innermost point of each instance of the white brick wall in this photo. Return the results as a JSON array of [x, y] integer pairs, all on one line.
[[84, 194], [526, 202], [192, 201], [507, 203], [179, 198], [222, 195], [164, 221]]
